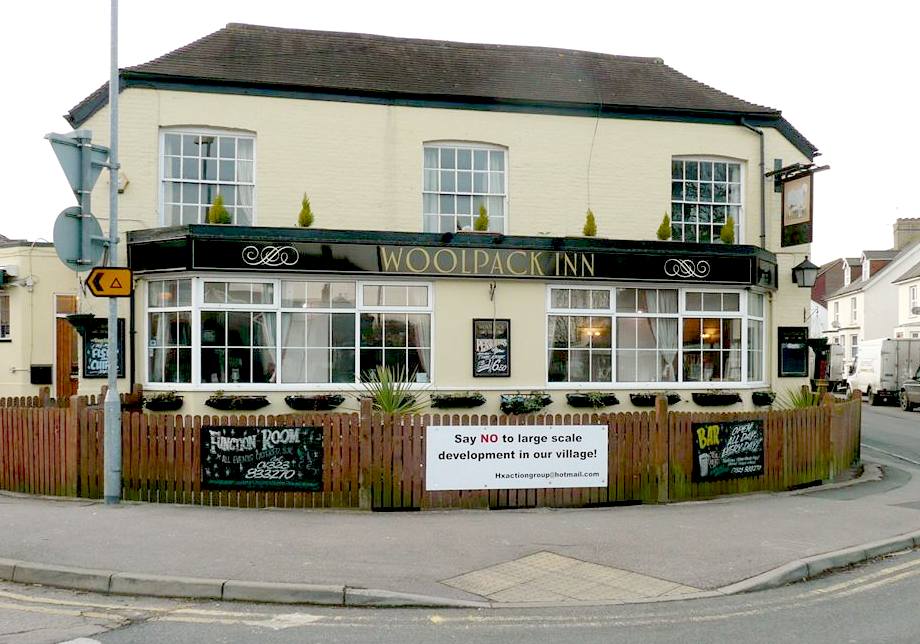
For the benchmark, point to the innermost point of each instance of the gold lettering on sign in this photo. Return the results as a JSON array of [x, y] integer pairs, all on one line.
[[497, 264], [389, 259], [512, 254], [425, 257], [478, 255], [463, 262], [437, 263], [571, 265], [585, 266], [535, 267]]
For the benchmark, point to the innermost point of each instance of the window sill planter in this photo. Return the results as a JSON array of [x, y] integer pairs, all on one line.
[[763, 398], [319, 402], [648, 400], [592, 399], [237, 403], [172, 403], [516, 404], [457, 401], [715, 399]]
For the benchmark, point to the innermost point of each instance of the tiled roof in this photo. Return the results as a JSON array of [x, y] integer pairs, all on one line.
[[911, 273], [858, 285], [890, 253], [369, 65], [853, 261]]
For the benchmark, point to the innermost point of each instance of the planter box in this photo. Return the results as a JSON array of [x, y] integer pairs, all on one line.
[[763, 398], [595, 402], [237, 403], [648, 400], [169, 404], [708, 399], [516, 404], [457, 402], [314, 403]]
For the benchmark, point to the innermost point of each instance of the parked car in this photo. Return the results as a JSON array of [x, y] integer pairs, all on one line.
[[910, 392]]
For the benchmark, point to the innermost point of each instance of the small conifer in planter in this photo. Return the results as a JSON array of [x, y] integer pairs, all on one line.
[[664, 230], [305, 216], [481, 223], [590, 229], [217, 213], [728, 231]]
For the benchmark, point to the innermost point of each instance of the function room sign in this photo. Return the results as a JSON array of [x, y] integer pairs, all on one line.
[[262, 458], [510, 457], [727, 450]]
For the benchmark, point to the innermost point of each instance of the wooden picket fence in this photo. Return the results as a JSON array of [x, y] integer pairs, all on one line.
[[377, 462]]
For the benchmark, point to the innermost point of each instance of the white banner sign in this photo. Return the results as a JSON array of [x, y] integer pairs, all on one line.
[[508, 457]]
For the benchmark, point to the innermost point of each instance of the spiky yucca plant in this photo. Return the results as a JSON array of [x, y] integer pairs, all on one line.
[[392, 392]]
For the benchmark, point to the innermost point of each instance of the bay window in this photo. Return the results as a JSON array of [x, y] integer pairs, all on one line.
[[287, 332], [654, 335]]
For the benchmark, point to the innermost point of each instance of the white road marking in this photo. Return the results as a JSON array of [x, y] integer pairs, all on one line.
[[891, 454], [274, 622]]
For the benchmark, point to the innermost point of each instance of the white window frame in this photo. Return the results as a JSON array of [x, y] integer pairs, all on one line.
[[912, 299], [739, 222], [853, 310], [203, 131], [474, 145], [198, 305], [682, 314], [8, 322], [837, 312], [148, 309], [854, 346]]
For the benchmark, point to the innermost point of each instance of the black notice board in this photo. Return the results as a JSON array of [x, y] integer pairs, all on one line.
[[727, 450], [793, 351], [491, 348], [262, 458], [96, 349]]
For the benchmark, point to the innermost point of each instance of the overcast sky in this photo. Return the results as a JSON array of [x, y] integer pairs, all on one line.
[[847, 79]]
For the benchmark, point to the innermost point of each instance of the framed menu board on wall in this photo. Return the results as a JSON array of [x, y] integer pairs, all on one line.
[[491, 348]]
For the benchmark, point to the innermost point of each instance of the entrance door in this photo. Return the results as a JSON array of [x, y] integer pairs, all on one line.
[[67, 346]]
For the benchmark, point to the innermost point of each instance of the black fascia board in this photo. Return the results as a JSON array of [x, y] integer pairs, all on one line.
[[174, 249], [128, 78]]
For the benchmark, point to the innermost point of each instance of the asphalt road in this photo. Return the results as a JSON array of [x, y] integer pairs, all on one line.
[[891, 432], [874, 602]]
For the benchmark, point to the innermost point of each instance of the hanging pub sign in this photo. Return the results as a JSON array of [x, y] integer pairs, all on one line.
[[797, 210], [793, 351], [96, 349], [491, 348], [727, 450], [262, 458]]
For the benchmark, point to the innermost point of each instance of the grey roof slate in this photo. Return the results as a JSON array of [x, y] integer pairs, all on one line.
[[372, 65], [911, 273], [890, 253]]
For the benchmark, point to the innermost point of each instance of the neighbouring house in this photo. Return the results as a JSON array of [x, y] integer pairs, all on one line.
[[876, 289], [400, 144], [38, 347]]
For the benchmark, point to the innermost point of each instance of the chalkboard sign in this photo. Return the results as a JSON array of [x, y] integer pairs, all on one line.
[[793, 351], [727, 450], [262, 458], [96, 349], [491, 348]]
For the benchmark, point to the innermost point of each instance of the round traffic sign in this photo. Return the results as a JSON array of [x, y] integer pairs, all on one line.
[[70, 229]]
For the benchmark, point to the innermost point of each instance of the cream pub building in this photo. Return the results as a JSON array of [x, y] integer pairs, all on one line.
[[399, 143]]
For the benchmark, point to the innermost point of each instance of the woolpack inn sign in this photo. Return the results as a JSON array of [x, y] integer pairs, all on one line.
[[200, 247]]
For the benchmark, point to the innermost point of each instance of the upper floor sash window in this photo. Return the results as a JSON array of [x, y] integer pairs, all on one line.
[[459, 180], [704, 193], [197, 166]]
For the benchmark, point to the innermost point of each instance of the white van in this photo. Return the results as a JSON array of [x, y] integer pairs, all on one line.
[[883, 366]]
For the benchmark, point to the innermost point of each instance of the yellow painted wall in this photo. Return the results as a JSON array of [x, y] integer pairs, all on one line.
[[362, 167], [31, 314]]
